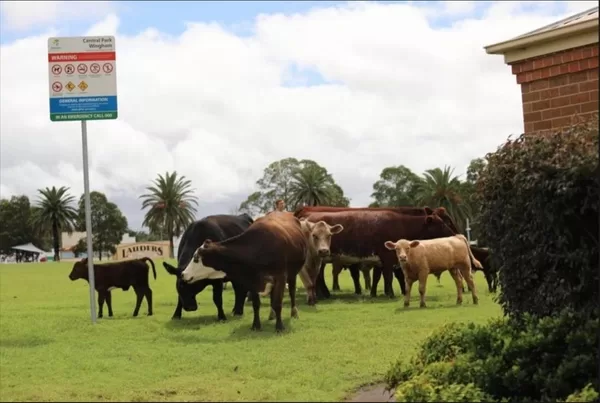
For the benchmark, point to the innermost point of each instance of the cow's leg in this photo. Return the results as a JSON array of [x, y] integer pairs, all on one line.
[[336, 270], [178, 309], [292, 292], [468, 276], [278, 290], [366, 271], [423, 274], [218, 299], [321, 287], [101, 297], [438, 275], [375, 283], [108, 298], [240, 298], [355, 273], [459, 286], [256, 308], [139, 295], [388, 277], [399, 274], [148, 294], [408, 285], [271, 311]]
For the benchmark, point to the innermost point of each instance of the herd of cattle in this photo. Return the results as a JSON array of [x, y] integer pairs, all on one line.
[[265, 256]]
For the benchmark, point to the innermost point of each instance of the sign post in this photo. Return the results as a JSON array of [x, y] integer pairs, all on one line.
[[83, 86]]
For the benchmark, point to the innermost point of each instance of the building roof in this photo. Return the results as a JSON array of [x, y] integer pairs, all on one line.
[[577, 30], [29, 247], [574, 19]]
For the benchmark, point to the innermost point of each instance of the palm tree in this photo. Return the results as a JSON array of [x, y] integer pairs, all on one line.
[[171, 203], [439, 188], [312, 186], [54, 211]]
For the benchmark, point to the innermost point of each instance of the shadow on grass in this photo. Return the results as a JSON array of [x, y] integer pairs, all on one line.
[[25, 342], [351, 298], [244, 331], [197, 321]]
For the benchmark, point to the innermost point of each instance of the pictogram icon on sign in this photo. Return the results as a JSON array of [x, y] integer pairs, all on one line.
[[56, 69], [69, 69], [56, 86], [70, 86], [107, 67], [95, 68], [81, 68], [82, 86]]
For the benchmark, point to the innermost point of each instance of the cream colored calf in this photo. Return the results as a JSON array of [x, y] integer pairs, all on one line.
[[418, 259]]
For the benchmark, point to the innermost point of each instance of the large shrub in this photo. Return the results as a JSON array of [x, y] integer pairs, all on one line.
[[539, 200], [536, 359]]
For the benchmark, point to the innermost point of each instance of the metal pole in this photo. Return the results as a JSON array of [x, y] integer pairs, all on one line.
[[468, 231], [88, 220]]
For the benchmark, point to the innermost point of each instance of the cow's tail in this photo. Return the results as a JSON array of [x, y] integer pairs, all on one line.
[[147, 259], [474, 262], [267, 290]]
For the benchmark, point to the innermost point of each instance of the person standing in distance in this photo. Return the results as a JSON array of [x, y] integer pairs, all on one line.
[[280, 205]]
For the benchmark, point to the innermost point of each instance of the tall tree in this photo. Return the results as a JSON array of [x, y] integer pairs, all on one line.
[[287, 179], [171, 204], [55, 212], [439, 188], [396, 186], [15, 227], [108, 223], [312, 185], [474, 170]]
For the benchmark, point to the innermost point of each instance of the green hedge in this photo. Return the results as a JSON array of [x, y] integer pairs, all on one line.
[[539, 198], [536, 359]]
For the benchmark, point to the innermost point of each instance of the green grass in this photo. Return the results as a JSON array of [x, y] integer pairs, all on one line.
[[50, 351]]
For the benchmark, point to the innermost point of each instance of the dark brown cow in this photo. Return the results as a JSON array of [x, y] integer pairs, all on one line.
[[274, 246], [125, 274], [354, 266], [364, 229]]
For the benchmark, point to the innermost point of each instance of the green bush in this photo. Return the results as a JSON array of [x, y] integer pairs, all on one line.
[[533, 359], [588, 394], [539, 212], [426, 389]]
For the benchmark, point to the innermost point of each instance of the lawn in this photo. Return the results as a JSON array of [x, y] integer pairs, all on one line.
[[50, 351]]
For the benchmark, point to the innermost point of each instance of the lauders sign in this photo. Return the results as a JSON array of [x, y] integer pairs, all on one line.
[[153, 250]]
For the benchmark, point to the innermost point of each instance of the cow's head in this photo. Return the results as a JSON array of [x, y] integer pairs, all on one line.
[[443, 214], [402, 248], [196, 270], [80, 270], [184, 291], [435, 227], [319, 235]]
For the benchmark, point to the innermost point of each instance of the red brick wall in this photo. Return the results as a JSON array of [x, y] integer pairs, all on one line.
[[559, 88]]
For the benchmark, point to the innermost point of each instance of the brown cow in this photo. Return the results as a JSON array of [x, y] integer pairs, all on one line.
[[318, 236], [366, 230], [354, 261], [274, 245], [419, 258], [125, 274]]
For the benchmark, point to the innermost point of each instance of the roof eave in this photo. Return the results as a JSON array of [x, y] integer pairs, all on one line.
[[542, 37]]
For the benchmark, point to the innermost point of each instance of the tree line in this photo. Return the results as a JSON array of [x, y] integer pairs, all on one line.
[[171, 206]]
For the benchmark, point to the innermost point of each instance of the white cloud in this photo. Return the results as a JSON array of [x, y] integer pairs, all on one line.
[[212, 105], [22, 15]]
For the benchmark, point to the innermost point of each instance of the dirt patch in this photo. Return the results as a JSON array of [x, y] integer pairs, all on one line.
[[372, 393]]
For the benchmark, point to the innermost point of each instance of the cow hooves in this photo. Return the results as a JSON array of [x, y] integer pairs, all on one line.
[[279, 329], [295, 313], [475, 301], [458, 302], [255, 328], [406, 304], [150, 314], [234, 313], [222, 319], [422, 305], [175, 317]]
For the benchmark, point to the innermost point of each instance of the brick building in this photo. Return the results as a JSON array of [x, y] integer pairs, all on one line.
[[557, 68]]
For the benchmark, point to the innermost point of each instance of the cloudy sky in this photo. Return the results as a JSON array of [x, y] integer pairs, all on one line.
[[219, 90]]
